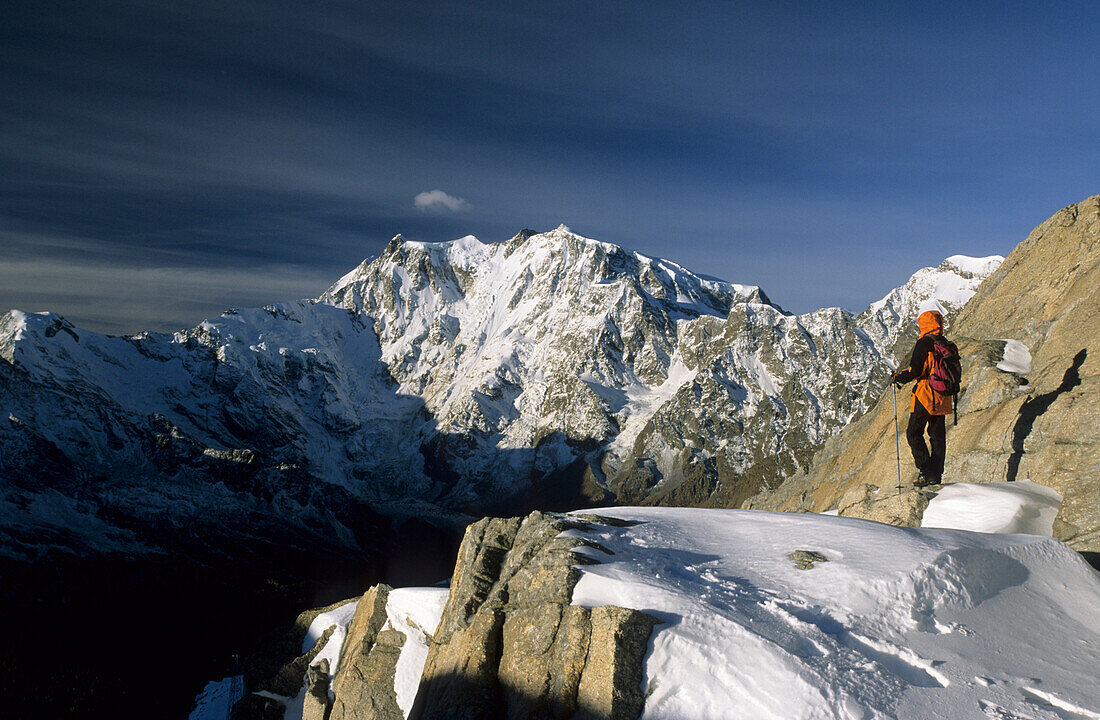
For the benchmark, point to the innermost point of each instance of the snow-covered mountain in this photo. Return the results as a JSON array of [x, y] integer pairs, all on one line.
[[663, 386], [946, 288], [435, 379]]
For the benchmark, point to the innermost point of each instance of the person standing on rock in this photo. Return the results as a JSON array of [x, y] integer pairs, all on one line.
[[935, 366]]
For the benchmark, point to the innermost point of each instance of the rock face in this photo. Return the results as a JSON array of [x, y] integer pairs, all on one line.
[[508, 644], [511, 646], [1030, 408]]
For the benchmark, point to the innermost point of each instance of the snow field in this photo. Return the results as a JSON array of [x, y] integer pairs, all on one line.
[[898, 623]]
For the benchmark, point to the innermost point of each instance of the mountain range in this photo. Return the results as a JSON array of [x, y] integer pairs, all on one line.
[[436, 381]]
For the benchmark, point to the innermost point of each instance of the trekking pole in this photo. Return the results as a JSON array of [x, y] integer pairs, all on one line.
[[897, 447]]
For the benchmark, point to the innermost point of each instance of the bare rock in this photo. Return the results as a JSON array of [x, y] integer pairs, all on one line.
[[315, 706], [460, 676], [610, 687], [510, 644], [481, 556], [370, 616], [885, 505], [806, 559], [364, 683]]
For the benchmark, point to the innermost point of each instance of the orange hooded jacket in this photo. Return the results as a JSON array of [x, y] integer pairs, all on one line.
[[920, 367]]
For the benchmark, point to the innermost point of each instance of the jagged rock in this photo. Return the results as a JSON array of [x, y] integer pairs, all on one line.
[[364, 683], [806, 559], [481, 556], [370, 616], [315, 704], [510, 644], [1043, 425]]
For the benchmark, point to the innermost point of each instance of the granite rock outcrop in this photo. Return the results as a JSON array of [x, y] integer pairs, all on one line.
[[1030, 403]]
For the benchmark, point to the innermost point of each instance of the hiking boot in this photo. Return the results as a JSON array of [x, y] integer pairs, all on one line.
[[923, 481]]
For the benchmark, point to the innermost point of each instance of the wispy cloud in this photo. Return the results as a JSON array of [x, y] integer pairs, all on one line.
[[438, 201]]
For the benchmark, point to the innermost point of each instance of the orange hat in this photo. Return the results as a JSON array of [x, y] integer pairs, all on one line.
[[930, 321]]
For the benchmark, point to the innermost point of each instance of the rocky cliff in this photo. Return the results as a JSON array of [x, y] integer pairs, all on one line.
[[1030, 404], [507, 644]]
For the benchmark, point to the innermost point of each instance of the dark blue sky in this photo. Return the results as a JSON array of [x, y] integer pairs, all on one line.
[[159, 164]]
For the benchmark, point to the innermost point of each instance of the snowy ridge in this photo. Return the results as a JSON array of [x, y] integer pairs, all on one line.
[[894, 622], [945, 288], [797, 615]]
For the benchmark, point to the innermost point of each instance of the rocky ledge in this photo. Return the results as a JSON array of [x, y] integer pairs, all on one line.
[[1028, 408], [509, 643]]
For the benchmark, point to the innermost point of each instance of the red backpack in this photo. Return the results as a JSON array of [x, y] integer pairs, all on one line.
[[946, 366]]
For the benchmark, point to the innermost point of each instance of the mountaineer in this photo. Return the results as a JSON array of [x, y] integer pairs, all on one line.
[[936, 368]]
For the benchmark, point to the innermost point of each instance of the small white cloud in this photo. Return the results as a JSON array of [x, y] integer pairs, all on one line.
[[437, 200]]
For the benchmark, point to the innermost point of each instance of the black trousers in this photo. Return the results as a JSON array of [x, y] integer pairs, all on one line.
[[929, 462]]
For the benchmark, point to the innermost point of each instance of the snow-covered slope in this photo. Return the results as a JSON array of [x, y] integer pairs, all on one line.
[[1021, 506], [437, 377], [894, 623]]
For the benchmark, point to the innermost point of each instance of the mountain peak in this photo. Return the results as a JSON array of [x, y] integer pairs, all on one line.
[[945, 288], [972, 267]]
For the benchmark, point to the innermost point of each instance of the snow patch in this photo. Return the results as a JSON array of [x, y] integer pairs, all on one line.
[[415, 612], [982, 266], [1017, 358], [339, 617], [1000, 507]]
